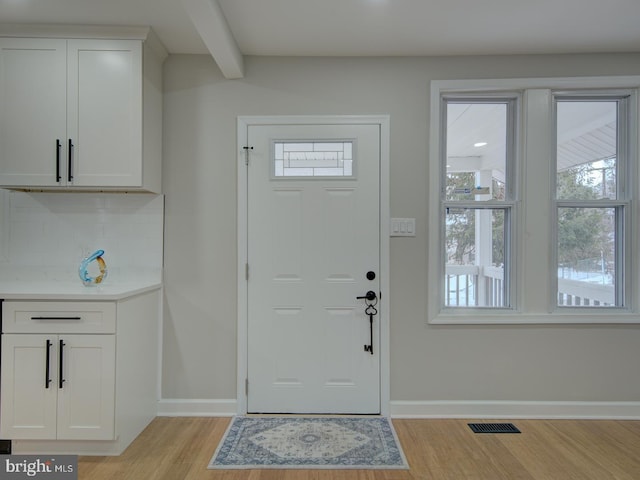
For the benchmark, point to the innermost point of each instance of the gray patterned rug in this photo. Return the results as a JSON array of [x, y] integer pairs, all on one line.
[[309, 442]]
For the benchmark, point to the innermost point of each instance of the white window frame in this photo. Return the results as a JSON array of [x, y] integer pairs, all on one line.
[[533, 295], [512, 100], [625, 189]]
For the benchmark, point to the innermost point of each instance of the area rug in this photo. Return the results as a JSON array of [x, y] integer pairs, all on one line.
[[309, 443]]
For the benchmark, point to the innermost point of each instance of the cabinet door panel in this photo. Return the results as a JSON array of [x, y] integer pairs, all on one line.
[[32, 110], [105, 112], [86, 401], [27, 408]]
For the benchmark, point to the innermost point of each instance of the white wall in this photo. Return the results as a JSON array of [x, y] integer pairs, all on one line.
[[428, 362]]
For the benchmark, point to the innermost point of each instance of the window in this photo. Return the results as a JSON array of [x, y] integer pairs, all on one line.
[[591, 202], [313, 159], [478, 161], [533, 189]]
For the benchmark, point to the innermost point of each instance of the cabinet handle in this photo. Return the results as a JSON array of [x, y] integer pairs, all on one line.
[[61, 379], [70, 171], [58, 146], [47, 378], [56, 318]]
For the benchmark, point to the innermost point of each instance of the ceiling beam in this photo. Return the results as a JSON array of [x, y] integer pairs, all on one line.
[[212, 26]]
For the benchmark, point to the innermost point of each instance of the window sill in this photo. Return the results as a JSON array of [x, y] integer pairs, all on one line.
[[573, 317]]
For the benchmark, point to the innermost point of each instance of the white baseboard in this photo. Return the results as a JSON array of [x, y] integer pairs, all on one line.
[[515, 409], [178, 407], [181, 407]]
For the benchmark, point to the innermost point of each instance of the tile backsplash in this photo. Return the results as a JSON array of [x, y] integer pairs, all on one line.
[[51, 232]]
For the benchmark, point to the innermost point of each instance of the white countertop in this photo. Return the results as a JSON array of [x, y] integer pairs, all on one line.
[[65, 290]]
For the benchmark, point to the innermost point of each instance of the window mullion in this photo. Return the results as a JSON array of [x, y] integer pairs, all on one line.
[[534, 225]]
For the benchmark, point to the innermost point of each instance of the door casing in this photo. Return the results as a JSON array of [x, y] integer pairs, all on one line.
[[243, 123]]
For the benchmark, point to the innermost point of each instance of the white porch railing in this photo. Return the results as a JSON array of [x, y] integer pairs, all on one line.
[[584, 294], [477, 286], [473, 286]]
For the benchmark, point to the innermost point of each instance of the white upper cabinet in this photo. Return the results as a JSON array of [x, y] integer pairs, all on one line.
[[104, 113], [33, 110], [72, 114]]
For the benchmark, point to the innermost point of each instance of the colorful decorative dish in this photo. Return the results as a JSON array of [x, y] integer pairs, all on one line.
[[83, 271]]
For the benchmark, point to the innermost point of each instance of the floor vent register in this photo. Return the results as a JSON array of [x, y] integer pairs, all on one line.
[[493, 428]]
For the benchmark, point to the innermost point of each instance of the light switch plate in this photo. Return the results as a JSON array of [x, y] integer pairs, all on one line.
[[403, 227]]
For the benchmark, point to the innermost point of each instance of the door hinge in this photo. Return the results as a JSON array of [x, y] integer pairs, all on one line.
[[246, 154], [246, 387], [246, 271]]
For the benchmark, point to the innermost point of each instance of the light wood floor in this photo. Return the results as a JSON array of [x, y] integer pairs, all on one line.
[[180, 448]]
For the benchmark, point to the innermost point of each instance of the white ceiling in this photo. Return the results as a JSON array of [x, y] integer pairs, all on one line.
[[587, 131], [366, 27], [432, 27]]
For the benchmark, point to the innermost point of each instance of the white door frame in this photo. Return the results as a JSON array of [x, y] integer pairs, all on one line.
[[243, 241]]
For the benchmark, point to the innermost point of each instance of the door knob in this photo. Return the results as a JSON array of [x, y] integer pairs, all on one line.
[[370, 295]]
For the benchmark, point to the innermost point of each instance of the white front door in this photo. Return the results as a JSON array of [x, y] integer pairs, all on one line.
[[313, 248]]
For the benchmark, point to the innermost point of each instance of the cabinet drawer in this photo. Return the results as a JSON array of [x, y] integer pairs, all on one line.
[[58, 317]]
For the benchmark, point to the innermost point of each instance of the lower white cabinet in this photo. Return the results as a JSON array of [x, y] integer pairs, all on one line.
[[78, 377], [58, 387]]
